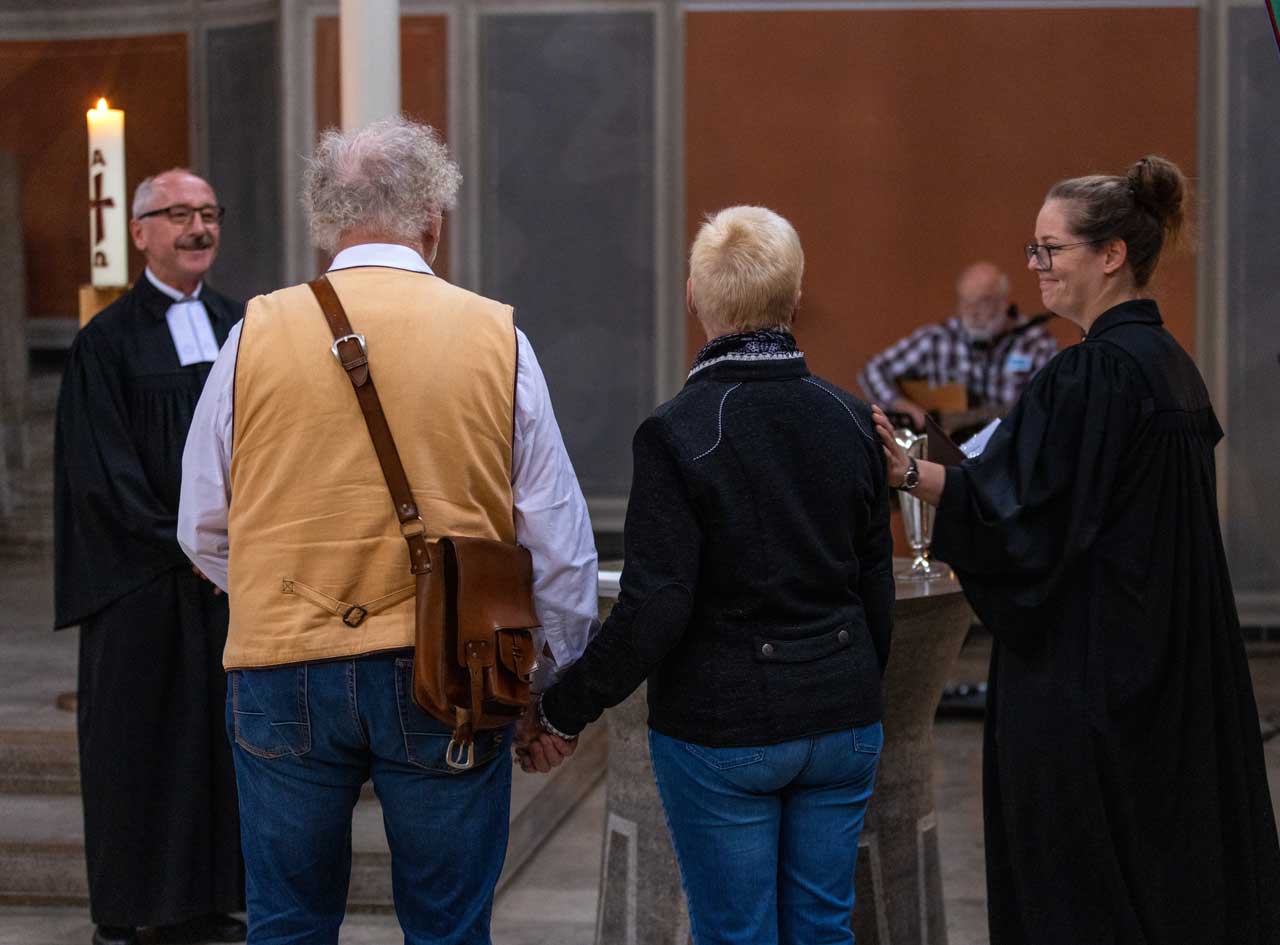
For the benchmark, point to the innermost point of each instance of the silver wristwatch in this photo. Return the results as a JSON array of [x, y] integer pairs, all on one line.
[[912, 477], [546, 724]]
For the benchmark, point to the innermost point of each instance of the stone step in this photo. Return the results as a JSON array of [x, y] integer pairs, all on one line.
[[39, 763], [27, 530], [42, 835], [26, 524], [37, 485], [25, 539]]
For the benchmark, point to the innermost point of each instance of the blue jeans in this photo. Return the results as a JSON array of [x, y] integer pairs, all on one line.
[[767, 836], [305, 738]]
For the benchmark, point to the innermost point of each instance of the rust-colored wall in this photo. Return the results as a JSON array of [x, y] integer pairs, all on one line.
[[47, 87], [905, 144], [424, 82]]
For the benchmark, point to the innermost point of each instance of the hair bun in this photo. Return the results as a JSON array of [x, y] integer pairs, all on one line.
[[1159, 187]]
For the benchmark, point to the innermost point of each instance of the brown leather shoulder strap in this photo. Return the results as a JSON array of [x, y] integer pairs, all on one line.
[[353, 354]]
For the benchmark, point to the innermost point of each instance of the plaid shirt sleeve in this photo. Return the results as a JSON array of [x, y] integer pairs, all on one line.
[[914, 355], [1030, 351], [1043, 350]]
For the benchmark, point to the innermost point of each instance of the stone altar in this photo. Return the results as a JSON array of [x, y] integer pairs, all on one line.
[[898, 879]]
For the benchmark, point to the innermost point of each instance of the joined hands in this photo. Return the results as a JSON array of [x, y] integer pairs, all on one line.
[[536, 748], [895, 456]]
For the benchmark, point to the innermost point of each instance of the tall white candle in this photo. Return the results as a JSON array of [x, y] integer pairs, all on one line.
[[108, 209]]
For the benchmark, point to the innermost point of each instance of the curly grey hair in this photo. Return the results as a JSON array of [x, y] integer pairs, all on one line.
[[387, 177]]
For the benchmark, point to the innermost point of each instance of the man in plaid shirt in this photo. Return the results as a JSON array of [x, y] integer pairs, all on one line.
[[990, 350]]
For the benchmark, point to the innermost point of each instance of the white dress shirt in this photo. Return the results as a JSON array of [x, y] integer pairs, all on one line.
[[189, 324], [550, 513]]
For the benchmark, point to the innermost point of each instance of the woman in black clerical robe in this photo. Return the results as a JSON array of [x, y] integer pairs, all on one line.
[[1125, 798]]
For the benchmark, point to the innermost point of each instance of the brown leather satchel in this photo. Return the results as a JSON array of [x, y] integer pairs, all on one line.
[[474, 653]]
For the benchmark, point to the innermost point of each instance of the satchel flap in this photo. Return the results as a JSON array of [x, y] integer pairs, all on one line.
[[494, 589], [515, 650], [438, 686]]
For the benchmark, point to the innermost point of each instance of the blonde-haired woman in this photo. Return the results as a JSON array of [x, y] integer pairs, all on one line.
[[757, 599]]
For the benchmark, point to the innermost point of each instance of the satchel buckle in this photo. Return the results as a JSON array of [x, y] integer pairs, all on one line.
[[460, 756], [414, 528], [355, 615], [354, 336]]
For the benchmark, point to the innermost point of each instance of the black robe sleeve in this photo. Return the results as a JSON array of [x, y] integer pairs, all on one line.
[[112, 534], [663, 545], [1015, 522], [875, 556]]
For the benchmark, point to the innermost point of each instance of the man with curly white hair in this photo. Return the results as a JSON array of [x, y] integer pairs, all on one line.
[[285, 506]]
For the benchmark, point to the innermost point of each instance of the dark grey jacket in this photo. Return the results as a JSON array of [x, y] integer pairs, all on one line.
[[757, 595]]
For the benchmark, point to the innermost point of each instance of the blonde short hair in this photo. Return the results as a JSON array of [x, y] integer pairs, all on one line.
[[745, 269]]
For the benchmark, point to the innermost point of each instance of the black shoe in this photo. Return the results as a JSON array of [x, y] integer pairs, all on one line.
[[220, 927], [215, 927], [115, 935]]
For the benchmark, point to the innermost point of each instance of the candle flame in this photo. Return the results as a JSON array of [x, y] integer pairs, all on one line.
[[102, 104]]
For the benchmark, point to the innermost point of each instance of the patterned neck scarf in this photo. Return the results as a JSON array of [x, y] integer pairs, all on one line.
[[763, 345]]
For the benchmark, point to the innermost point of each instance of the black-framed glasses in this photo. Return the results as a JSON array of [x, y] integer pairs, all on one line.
[[1042, 253], [180, 214]]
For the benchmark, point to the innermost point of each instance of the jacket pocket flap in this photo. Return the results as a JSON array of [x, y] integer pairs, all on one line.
[[770, 650]]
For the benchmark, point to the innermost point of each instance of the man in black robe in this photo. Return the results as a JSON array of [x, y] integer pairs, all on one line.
[[1125, 791], [162, 836]]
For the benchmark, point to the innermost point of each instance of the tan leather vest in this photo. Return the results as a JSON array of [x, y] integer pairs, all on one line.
[[318, 568]]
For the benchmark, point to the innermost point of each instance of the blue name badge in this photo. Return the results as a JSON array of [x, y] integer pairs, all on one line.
[[1018, 361]]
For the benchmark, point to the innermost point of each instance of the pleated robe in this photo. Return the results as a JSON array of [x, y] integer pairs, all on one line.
[[1125, 791], [162, 837]]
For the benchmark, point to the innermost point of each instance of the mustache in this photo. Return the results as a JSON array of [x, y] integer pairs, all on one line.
[[199, 241]]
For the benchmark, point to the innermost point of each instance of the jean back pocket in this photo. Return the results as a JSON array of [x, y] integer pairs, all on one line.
[[426, 738], [725, 759], [269, 709], [869, 738]]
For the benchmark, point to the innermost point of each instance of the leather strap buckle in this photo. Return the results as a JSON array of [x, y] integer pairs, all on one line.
[[354, 336], [355, 615], [414, 528], [460, 756], [460, 753]]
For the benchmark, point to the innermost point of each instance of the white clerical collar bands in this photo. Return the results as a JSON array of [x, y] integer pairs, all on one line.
[[170, 291], [748, 356]]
